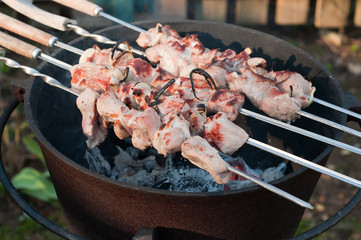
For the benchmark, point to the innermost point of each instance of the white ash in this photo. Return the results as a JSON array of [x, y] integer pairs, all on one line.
[[177, 174], [274, 173]]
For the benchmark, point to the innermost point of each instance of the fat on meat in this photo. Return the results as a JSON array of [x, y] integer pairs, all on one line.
[[169, 137], [223, 134], [199, 152], [226, 101], [91, 122]]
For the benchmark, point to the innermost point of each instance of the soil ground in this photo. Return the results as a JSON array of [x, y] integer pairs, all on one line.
[[339, 51]]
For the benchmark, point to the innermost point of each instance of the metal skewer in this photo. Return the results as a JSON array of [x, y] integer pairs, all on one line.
[[270, 149], [37, 35], [335, 107], [271, 188], [36, 53], [94, 10], [26, 8]]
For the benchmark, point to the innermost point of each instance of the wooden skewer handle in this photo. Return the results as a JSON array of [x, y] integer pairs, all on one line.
[[16, 45], [26, 8], [82, 6], [25, 30]]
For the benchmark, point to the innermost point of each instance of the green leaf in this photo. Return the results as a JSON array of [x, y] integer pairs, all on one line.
[[33, 146], [34, 183], [29, 179]]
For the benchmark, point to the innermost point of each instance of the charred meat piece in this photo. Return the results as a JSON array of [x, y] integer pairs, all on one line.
[[226, 101], [135, 95], [91, 123], [199, 152], [196, 120], [223, 134], [139, 70], [171, 104]]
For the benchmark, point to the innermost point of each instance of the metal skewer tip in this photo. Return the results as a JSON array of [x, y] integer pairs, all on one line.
[[271, 188]]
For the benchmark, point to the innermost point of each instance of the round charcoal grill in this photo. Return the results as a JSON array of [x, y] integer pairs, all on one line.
[[97, 207]]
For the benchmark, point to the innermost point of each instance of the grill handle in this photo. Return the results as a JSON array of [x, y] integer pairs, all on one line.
[[30, 211], [27, 8], [83, 6]]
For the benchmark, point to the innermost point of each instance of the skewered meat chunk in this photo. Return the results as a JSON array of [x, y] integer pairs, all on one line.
[[141, 125], [156, 35], [120, 131], [97, 56], [294, 84], [223, 134], [135, 94], [196, 120], [199, 152], [226, 101], [161, 78], [91, 75], [91, 126], [254, 86], [171, 104], [139, 70], [280, 105], [173, 131], [263, 93], [109, 107]]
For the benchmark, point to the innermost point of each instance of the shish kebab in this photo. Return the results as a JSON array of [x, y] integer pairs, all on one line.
[[246, 112], [195, 140], [322, 120], [87, 7], [30, 28], [289, 92], [94, 10]]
